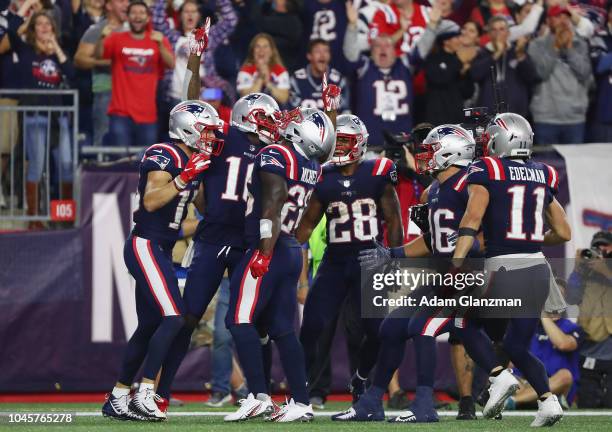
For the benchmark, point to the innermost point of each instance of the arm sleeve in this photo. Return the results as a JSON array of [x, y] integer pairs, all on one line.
[[585, 28], [529, 24], [575, 288], [423, 46], [158, 158], [527, 71], [350, 48], [295, 96], [160, 22], [604, 65], [579, 61], [272, 161], [543, 56], [223, 28], [245, 80], [478, 173], [481, 66]]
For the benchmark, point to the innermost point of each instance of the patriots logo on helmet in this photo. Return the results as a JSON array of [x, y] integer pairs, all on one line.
[[270, 160], [252, 98], [356, 121], [319, 122], [192, 108], [451, 131], [160, 160]]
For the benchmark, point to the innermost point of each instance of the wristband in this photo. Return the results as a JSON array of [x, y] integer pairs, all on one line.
[[469, 232], [265, 228], [398, 252], [179, 184]]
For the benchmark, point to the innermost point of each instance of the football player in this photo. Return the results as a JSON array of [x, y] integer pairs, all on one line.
[[263, 286], [219, 238], [512, 197], [356, 196], [169, 180], [449, 149]]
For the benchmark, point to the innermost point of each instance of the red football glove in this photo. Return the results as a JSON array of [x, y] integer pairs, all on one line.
[[198, 163], [331, 95], [198, 39], [260, 264]]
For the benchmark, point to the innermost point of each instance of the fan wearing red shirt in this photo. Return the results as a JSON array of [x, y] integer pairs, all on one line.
[[138, 59], [405, 25]]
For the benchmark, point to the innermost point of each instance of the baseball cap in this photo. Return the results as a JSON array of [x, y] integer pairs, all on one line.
[[557, 10], [602, 238], [447, 29]]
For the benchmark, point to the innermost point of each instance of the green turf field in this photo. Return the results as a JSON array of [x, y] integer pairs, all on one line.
[[197, 417]]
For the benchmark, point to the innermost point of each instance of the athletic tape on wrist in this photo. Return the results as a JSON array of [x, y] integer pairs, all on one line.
[[265, 228]]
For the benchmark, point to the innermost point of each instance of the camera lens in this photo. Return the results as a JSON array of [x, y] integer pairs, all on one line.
[[586, 254]]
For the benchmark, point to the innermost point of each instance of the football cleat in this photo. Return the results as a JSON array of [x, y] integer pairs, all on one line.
[[467, 409], [252, 407], [502, 387], [162, 403], [357, 387], [421, 409], [291, 412], [218, 399], [366, 409], [116, 407], [144, 403], [549, 412]]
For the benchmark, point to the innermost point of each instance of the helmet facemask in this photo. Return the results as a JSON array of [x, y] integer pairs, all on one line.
[[424, 159], [347, 150], [265, 126], [211, 146]]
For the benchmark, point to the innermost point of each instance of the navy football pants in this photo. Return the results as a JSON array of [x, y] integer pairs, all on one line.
[[159, 307], [203, 279], [337, 278], [270, 302]]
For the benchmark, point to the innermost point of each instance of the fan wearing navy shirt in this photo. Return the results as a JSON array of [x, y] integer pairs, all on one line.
[[169, 181], [307, 82], [357, 196], [263, 286], [326, 20], [219, 239], [512, 197]]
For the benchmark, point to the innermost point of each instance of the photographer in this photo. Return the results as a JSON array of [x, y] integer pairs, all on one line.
[[410, 185], [590, 286]]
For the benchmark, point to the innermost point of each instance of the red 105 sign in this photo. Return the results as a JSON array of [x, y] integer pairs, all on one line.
[[63, 210]]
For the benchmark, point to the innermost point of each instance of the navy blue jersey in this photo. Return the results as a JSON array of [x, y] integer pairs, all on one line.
[[383, 98], [519, 193], [225, 191], [164, 223], [307, 91], [353, 213], [326, 21], [447, 203], [301, 176]]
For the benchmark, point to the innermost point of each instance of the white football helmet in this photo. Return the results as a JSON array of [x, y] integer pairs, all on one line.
[[351, 140], [314, 136], [191, 120], [444, 146], [255, 113], [509, 135]]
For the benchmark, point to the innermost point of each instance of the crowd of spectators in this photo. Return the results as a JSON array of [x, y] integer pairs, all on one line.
[[399, 62]]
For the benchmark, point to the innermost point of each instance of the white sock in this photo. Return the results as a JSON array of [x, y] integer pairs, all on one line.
[[119, 392], [145, 386]]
